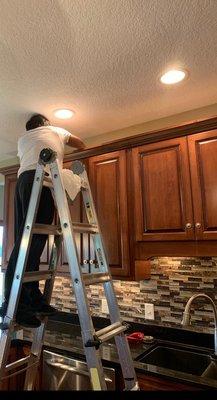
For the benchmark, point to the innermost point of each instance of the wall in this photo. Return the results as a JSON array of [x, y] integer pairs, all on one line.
[[173, 281], [172, 120], [148, 126]]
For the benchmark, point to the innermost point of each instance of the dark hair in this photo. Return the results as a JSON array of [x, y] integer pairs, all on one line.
[[37, 120]]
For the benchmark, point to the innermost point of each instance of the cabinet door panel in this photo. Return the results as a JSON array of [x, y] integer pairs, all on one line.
[[203, 163], [155, 383], [162, 191], [8, 237], [108, 183]]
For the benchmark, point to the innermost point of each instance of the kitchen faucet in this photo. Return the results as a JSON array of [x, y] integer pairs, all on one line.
[[186, 314]]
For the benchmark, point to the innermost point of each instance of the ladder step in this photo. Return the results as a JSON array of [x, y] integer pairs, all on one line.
[[37, 276], [43, 229], [17, 363], [110, 331], [85, 228], [92, 279]]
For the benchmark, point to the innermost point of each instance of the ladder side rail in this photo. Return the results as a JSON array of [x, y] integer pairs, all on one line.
[[126, 361], [25, 242], [53, 263], [5, 339], [39, 333], [87, 329], [121, 342]]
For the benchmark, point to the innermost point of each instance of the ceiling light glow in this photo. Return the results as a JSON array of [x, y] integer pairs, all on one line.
[[173, 76], [64, 114]]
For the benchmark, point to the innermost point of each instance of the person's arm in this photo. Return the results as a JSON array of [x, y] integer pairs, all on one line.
[[74, 141], [69, 139]]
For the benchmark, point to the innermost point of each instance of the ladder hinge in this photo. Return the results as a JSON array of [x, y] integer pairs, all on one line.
[[4, 326], [94, 343]]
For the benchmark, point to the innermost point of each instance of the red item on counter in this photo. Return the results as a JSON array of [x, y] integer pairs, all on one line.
[[135, 337]]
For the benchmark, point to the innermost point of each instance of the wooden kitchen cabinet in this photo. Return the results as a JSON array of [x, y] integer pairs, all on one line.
[[155, 196], [108, 180], [154, 383], [203, 167], [162, 191], [18, 350], [8, 236]]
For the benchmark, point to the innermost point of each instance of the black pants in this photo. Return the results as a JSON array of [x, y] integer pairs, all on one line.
[[45, 215]]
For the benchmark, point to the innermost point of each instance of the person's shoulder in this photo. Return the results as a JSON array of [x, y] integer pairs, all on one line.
[[60, 131], [32, 131], [22, 136], [63, 134]]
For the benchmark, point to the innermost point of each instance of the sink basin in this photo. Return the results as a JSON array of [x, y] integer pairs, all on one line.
[[182, 360], [211, 371]]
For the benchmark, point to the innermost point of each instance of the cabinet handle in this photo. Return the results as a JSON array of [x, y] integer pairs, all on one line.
[[85, 261], [188, 225], [198, 225]]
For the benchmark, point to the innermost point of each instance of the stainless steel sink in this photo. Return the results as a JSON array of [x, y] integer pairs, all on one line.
[[211, 371], [180, 359]]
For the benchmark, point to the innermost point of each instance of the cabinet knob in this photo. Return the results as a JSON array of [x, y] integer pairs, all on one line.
[[198, 225], [188, 225], [85, 261]]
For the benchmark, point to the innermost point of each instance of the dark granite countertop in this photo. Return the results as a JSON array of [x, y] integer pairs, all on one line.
[[63, 336]]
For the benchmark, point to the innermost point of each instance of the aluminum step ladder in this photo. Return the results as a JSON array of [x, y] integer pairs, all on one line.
[[91, 339]]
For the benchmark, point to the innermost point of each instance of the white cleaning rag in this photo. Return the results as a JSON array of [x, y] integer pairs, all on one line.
[[71, 182]]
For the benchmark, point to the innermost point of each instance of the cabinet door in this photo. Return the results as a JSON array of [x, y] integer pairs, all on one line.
[[8, 236], [155, 383], [108, 182], [162, 191], [203, 164]]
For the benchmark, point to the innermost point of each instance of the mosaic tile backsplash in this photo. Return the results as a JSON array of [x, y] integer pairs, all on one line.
[[173, 281]]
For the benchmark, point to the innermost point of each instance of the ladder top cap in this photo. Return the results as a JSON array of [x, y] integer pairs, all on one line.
[[47, 156], [78, 167]]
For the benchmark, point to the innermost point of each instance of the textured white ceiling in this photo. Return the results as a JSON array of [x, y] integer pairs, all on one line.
[[103, 58]]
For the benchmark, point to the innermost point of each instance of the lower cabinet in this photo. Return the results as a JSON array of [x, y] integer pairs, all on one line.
[[19, 350], [153, 383], [146, 382]]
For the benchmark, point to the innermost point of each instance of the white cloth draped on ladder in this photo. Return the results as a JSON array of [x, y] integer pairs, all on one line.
[[71, 182]]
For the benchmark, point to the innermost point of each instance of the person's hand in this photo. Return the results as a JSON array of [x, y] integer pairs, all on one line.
[[76, 142]]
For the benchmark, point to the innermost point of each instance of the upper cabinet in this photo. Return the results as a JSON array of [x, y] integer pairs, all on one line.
[[107, 174], [203, 166], [8, 236], [155, 195], [162, 191]]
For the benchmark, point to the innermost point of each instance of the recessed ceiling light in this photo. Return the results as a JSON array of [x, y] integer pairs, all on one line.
[[64, 114], [173, 76]]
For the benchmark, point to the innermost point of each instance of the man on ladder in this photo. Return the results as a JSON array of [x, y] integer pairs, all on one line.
[[50, 160], [39, 135]]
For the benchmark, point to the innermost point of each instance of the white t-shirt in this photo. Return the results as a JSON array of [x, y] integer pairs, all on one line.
[[32, 142]]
